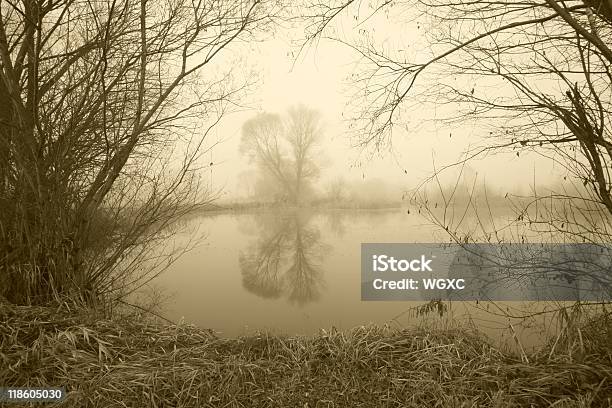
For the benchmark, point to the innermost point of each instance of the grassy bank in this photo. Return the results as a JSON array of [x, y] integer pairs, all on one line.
[[128, 361]]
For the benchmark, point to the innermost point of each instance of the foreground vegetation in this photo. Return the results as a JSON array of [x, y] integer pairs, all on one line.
[[131, 361]]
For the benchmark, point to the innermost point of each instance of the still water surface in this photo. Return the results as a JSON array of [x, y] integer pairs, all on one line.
[[297, 273]]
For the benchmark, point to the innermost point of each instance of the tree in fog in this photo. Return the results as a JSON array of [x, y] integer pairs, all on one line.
[[337, 190], [262, 140], [284, 150], [303, 132], [535, 75], [95, 97]]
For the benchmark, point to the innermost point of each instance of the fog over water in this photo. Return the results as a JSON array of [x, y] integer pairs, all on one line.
[[299, 272]]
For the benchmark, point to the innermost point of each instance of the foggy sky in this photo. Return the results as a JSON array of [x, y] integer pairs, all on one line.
[[320, 78]]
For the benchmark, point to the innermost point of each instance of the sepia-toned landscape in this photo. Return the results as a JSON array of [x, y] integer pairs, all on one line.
[[187, 189]]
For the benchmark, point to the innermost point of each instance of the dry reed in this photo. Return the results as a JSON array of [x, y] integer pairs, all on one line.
[[129, 361]]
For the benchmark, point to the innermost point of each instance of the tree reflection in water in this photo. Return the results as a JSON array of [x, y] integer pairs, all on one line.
[[285, 259]]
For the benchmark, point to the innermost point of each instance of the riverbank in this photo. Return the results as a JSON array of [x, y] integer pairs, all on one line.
[[249, 207], [130, 361]]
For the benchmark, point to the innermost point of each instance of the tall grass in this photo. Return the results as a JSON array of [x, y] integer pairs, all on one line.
[[130, 361]]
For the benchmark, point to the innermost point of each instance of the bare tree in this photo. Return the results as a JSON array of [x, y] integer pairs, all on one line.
[[94, 97], [285, 149], [262, 140], [303, 133], [337, 190], [535, 75]]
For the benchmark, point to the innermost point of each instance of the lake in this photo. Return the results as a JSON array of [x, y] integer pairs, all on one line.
[[296, 273]]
